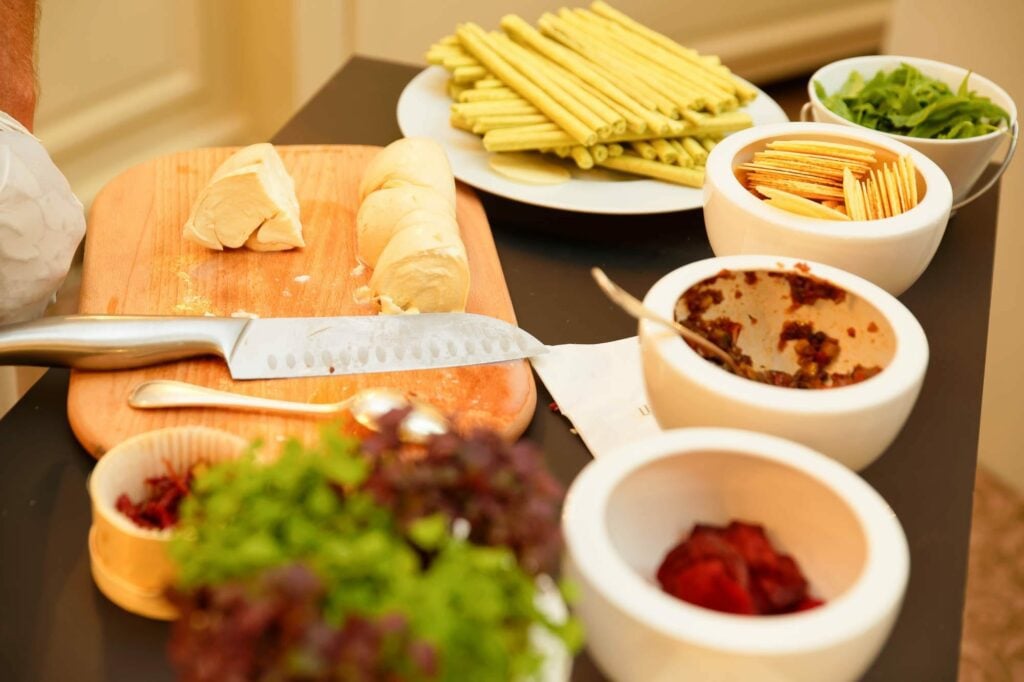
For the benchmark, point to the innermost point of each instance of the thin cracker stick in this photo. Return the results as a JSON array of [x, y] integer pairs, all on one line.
[[695, 150], [666, 152], [602, 114], [833, 149], [486, 95], [684, 160], [634, 164], [797, 204], [582, 157], [645, 149], [851, 195], [745, 92], [521, 31], [609, 60], [470, 35], [547, 82], [894, 194]]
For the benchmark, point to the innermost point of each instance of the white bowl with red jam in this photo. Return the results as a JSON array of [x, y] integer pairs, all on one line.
[[891, 252], [825, 358], [625, 512]]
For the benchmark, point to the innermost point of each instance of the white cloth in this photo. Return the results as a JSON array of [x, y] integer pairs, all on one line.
[[600, 388], [41, 224]]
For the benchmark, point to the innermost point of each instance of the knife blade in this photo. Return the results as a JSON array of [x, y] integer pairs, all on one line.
[[270, 348]]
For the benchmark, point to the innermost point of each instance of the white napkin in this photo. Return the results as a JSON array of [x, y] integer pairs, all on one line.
[[600, 388]]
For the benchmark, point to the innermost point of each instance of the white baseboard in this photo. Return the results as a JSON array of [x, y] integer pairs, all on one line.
[[797, 45]]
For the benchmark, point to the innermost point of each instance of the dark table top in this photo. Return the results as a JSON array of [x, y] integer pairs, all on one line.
[[55, 624]]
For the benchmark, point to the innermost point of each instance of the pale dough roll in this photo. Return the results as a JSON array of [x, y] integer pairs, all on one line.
[[410, 161], [238, 204], [250, 200], [383, 208], [280, 233], [375, 236], [422, 270]]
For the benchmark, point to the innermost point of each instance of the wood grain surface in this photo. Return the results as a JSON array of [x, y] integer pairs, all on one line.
[[136, 262]]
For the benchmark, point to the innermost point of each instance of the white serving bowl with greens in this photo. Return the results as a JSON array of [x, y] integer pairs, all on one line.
[[963, 160]]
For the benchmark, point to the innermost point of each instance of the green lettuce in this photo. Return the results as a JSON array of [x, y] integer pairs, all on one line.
[[906, 102]]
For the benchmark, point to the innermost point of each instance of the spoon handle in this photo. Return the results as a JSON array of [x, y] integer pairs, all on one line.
[[153, 395], [635, 308]]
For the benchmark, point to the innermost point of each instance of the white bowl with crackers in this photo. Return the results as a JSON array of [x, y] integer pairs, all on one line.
[[851, 198], [869, 354]]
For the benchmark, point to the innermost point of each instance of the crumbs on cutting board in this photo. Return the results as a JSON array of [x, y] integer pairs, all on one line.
[[245, 313], [358, 270], [362, 295], [302, 279], [190, 302]]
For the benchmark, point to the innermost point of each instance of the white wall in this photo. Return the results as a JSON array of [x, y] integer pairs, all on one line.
[[759, 40], [122, 81], [986, 37], [126, 80]]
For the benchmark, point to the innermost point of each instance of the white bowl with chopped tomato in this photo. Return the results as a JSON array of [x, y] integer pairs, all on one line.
[[838, 370], [963, 160], [626, 511], [136, 489], [891, 252]]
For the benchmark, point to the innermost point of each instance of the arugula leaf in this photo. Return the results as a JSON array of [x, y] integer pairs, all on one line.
[[906, 102]]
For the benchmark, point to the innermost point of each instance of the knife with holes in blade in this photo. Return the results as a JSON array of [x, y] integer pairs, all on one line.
[[269, 348]]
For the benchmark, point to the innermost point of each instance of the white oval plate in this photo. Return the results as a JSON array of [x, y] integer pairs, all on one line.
[[423, 110]]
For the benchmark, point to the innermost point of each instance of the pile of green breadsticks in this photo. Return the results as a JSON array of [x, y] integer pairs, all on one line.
[[596, 86]]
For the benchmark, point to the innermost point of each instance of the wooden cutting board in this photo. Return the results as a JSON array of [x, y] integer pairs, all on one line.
[[137, 263]]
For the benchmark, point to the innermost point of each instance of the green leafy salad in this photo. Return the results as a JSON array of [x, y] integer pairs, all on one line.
[[906, 102], [360, 561]]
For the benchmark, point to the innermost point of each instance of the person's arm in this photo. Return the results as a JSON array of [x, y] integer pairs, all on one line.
[[17, 59]]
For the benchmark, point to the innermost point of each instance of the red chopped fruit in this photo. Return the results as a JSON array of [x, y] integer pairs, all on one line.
[[710, 583], [734, 569], [808, 603]]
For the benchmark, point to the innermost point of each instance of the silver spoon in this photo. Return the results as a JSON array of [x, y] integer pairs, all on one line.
[[366, 406], [635, 308]]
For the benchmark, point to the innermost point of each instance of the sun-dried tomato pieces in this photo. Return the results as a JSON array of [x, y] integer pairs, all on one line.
[[159, 508], [735, 569]]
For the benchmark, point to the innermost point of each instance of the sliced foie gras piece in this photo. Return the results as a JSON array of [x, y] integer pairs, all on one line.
[[410, 161], [381, 210], [424, 270], [530, 169], [280, 233], [249, 201], [375, 239]]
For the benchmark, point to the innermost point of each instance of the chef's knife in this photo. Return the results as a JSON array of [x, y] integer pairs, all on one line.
[[271, 348]]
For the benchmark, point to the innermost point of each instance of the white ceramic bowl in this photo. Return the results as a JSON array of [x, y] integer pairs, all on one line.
[[625, 511], [963, 161], [891, 252], [851, 424]]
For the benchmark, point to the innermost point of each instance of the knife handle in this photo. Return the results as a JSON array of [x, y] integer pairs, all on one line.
[[116, 341]]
